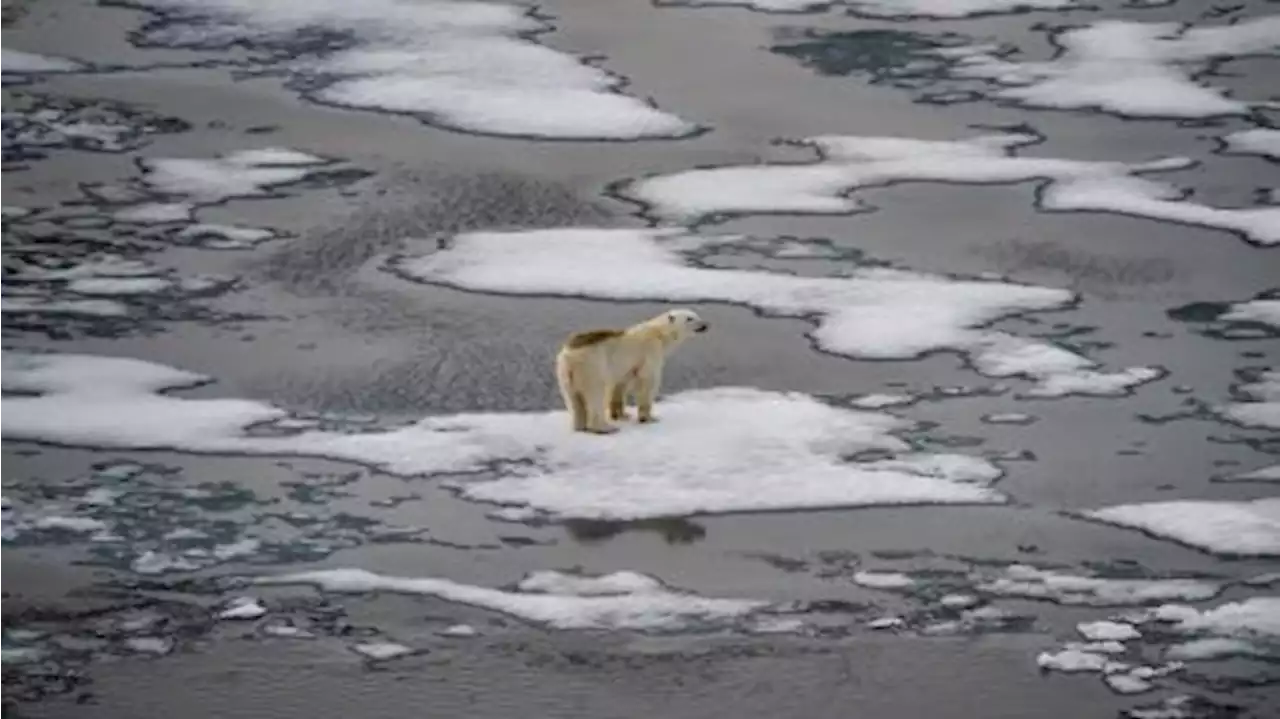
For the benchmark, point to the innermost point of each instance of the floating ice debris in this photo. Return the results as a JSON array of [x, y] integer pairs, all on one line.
[[654, 609], [1212, 648], [1262, 580], [1107, 631], [45, 305], [883, 580], [154, 213], [1130, 69], [459, 631], [887, 623], [1250, 528], [222, 236], [744, 465], [1072, 660], [1265, 311], [288, 631], [80, 525], [243, 608], [552, 582], [152, 562], [1262, 407], [21, 62], [1183, 706], [1270, 473], [155, 646], [117, 286], [1020, 580], [882, 401], [858, 315], [850, 163], [1248, 618], [247, 173], [1008, 418], [959, 601], [470, 66], [1102, 647], [1257, 141], [1137, 680], [381, 651]]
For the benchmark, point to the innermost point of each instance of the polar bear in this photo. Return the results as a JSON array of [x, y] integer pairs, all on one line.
[[598, 369]]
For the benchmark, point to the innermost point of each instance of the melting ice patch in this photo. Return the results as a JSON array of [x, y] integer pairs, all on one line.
[[1221, 527], [19, 62], [462, 65], [875, 313], [1260, 406], [744, 465], [1127, 68], [630, 605], [850, 163], [1020, 580], [1261, 141], [1265, 311]]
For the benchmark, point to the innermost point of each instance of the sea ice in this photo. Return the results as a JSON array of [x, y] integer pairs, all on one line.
[[1129, 68], [881, 401], [850, 163], [883, 580], [1262, 141], [1265, 311], [243, 608], [649, 608], [154, 213], [1103, 647], [1255, 617], [471, 66], [863, 314], [1250, 528], [381, 651], [1262, 406], [21, 62], [1107, 631], [45, 305], [1270, 473], [1212, 648], [247, 173], [459, 631], [744, 465], [1072, 660], [894, 9], [1020, 580], [222, 237], [115, 286]]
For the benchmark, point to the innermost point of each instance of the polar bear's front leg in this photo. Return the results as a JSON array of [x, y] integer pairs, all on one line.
[[646, 391]]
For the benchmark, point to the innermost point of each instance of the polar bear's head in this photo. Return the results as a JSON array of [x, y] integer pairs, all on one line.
[[686, 322]]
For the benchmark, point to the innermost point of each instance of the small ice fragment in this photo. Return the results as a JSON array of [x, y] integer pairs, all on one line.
[[883, 580], [882, 401], [886, 623], [243, 608], [959, 601], [156, 646], [1127, 683], [459, 630], [1211, 648], [1071, 660], [381, 651], [1107, 631], [1104, 647], [1008, 418]]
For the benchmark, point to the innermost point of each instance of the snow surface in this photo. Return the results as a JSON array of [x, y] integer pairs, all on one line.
[[850, 163], [1261, 141], [1264, 311], [1250, 528], [18, 61], [459, 64], [1020, 580], [1131, 69], [744, 465], [650, 608], [1107, 631], [863, 314], [1263, 407]]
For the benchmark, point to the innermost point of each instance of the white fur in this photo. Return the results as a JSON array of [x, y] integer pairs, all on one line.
[[596, 379]]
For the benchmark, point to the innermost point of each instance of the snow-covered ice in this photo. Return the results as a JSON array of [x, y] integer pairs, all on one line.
[[1262, 141], [1269, 473], [874, 313], [471, 66], [744, 465], [1102, 647], [116, 286], [1020, 580], [1211, 648], [460, 631], [243, 608], [1131, 69], [246, 173], [882, 401], [883, 580], [1261, 406], [154, 213], [222, 236], [1072, 660], [1265, 311], [1249, 528], [850, 163], [1104, 630], [381, 651], [1255, 617], [649, 608]]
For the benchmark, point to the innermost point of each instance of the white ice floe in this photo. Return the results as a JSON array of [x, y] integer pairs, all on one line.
[[1103, 647], [1222, 527], [116, 286], [50, 306], [887, 623], [459, 631], [1261, 407], [1128, 68], [650, 608], [874, 313], [381, 651], [1008, 418], [883, 580], [1265, 311], [154, 213], [465, 65], [21, 62], [1270, 473], [552, 582], [1211, 648], [1136, 680], [894, 9], [1262, 141], [1020, 580], [744, 465], [222, 237], [882, 401], [850, 163], [246, 173], [1255, 617], [243, 608], [1072, 660], [1104, 630], [79, 525], [959, 601]]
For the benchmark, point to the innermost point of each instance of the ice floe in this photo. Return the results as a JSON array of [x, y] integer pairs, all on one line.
[[1131, 69], [883, 580], [470, 66], [894, 9], [1211, 648], [863, 314], [1107, 631], [1250, 528], [246, 173], [744, 465], [648, 607], [22, 62], [1021, 580], [381, 651], [850, 163], [1072, 660], [1260, 406], [1270, 473], [1255, 617], [882, 401], [1265, 311], [53, 306], [243, 608], [1262, 141]]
